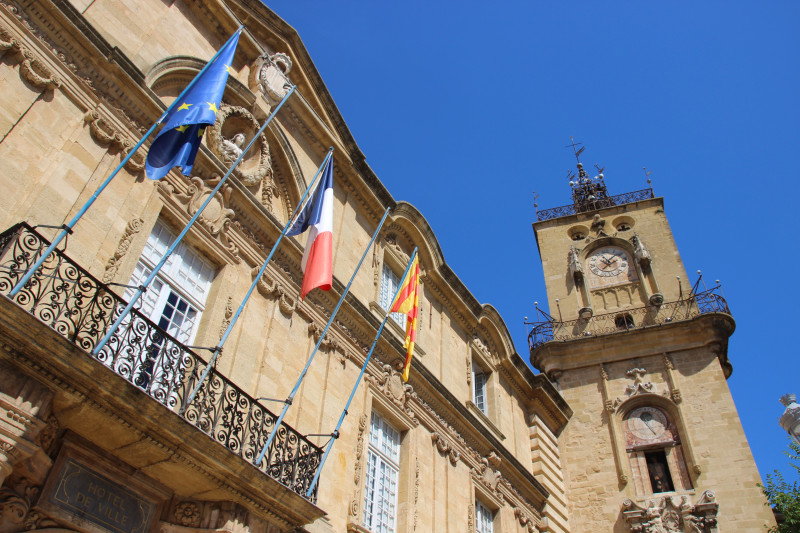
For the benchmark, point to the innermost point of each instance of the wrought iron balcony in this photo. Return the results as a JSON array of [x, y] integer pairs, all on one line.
[[628, 319], [79, 307], [593, 203]]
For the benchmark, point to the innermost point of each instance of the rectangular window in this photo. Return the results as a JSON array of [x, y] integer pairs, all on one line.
[[174, 301], [389, 285], [658, 469], [383, 470], [484, 519], [479, 388]]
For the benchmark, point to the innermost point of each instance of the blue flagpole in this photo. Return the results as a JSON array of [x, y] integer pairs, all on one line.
[[335, 434], [143, 287], [218, 348], [67, 228], [289, 400]]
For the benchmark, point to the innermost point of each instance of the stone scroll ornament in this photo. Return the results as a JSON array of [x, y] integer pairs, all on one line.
[[233, 129]]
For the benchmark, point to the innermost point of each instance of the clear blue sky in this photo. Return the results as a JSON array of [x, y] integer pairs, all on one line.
[[463, 109]]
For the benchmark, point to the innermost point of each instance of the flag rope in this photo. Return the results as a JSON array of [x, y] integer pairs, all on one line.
[[67, 228], [335, 434], [235, 317], [174, 245], [288, 401]]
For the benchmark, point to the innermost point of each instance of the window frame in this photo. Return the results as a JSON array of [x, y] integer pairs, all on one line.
[[386, 292], [384, 444], [159, 240], [479, 374], [153, 370], [484, 518]]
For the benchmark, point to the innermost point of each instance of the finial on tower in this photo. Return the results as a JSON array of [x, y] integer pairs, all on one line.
[[587, 193]]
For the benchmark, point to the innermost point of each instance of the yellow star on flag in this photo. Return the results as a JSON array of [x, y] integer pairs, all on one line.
[[229, 69], [182, 128], [184, 106], [200, 132], [212, 106]]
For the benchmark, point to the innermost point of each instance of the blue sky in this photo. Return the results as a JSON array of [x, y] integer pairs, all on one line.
[[465, 111]]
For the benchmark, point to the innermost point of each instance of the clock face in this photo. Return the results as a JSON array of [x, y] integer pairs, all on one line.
[[608, 262]]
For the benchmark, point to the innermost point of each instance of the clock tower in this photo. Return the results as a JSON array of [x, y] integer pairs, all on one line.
[[641, 356]]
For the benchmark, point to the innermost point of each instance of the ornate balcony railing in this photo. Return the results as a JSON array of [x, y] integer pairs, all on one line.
[[75, 304], [600, 203], [627, 319]]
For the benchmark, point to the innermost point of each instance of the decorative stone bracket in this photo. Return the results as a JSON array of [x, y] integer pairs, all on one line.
[[445, 448], [328, 343], [105, 135], [31, 69], [270, 288], [525, 521]]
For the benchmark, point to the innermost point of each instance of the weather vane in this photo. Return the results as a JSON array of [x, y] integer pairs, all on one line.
[[647, 174], [574, 145]]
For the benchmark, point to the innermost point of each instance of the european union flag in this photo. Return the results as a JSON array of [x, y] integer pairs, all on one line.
[[178, 141]]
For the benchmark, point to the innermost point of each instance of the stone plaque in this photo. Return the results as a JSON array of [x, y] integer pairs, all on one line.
[[99, 500]]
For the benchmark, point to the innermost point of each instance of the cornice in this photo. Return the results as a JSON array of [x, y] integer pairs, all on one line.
[[710, 330]]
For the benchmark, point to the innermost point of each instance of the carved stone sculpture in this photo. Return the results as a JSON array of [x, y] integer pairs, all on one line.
[[232, 148], [269, 76], [667, 516], [575, 267], [640, 252], [639, 384], [227, 138]]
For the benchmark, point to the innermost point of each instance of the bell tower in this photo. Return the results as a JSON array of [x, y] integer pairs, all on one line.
[[641, 356]]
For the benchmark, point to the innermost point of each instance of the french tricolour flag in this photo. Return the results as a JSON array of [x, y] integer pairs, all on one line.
[[318, 215]]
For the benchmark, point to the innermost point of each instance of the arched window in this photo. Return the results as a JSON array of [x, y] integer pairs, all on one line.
[[654, 450]]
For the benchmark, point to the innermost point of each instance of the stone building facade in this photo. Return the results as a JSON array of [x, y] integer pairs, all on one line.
[[475, 441], [110, 442]]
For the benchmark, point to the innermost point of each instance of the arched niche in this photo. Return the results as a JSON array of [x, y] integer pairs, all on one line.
[[652, 435], [270, 169]]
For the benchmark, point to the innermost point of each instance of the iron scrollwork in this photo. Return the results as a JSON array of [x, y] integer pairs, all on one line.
[[594, 204], [79, 307], [697, 304]]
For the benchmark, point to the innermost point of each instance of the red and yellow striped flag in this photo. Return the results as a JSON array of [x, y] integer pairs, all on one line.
[[407, 302]]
